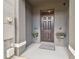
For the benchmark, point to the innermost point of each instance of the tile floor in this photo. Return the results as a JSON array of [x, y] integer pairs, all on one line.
[[34, 52]]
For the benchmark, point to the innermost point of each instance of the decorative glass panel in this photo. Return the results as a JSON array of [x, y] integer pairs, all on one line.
[[49, 18], [44, 18], [49, 24]]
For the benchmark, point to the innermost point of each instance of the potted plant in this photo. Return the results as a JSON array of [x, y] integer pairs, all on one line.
[[35, 34], [60, 35]]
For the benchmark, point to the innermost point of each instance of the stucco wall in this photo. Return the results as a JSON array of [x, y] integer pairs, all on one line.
[[72, 24], [72, 27], [67, 27], [60, 20], [23, 25], [20, 25], [8, 29], [28, 23]]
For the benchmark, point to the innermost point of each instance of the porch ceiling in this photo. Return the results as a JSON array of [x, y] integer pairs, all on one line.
[[38, 2]]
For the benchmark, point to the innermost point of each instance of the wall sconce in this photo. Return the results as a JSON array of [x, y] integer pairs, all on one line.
[[9, 19]]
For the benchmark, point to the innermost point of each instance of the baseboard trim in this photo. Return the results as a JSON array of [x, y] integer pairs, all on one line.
[[72, 50], [18, 45]]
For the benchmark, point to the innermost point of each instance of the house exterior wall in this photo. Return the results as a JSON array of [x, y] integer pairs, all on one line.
[[72, 28], [20, 26], [28, 23], [8, 29], [23, 25], [60, 20], [72, 24], [67, 27]]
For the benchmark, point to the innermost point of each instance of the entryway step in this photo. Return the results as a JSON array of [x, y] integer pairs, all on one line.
[[19, 57]]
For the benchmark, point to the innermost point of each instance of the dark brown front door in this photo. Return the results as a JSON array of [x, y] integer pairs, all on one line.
[[47, 28]]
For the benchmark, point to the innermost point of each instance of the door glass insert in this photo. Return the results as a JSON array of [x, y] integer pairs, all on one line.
[[49, 17]]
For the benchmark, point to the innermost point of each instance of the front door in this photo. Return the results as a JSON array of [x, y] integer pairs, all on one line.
[[47, 28]]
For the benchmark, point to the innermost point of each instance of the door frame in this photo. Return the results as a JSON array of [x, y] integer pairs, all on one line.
[[53, 23]]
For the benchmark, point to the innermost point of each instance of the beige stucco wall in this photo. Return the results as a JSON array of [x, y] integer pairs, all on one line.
[[72, 27], [8, 29], [20, 25], [20, 20], [60, 19], [28, 23], [72, 24], [23, 25]]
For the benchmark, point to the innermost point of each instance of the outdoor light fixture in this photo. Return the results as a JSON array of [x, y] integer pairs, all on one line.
[[9, 19], [49, 11]]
